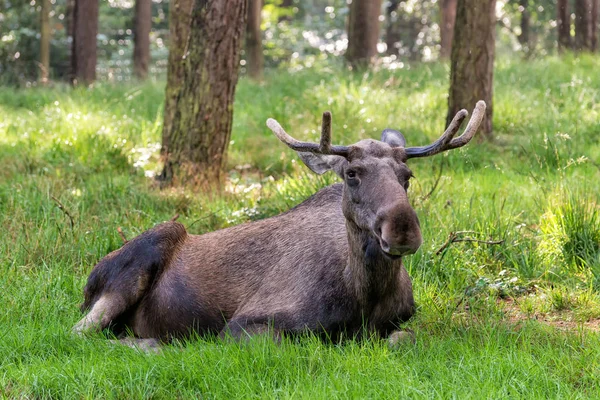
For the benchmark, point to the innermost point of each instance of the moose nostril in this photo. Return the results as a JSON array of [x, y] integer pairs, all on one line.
[[384, 245]]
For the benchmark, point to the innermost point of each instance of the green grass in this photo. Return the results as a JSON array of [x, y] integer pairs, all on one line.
[[517, 319]]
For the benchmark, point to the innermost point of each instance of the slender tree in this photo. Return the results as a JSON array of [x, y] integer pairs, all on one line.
[[583, 25], [363, 32], [254, 49], [141, 37], [392, 28], [45, 41], [180, 17], [525, 22], [472, 62], [564, 25], [288, 4], [83, 49], [447, 18], [594, 22], [201, 125]]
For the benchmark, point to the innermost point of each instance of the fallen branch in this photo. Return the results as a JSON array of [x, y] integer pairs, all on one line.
[[174, 218], [122, 235], [62, 208], [454, 238]]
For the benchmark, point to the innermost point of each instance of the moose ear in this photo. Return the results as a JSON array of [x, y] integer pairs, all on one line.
[[393, 138], [320, 163]]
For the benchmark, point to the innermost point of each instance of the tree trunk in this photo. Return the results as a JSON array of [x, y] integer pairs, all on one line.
[[45, 41], [595, 7], [472, 63], [83, 50], [286, 4], [392, 31], [201, 125], [447, 18], [564, 25], [525, 19], [254, 49], [141, 37], [363, 32], [180, 17], [583, 25]]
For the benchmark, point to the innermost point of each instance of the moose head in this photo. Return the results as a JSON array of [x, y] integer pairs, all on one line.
[[376, 177]]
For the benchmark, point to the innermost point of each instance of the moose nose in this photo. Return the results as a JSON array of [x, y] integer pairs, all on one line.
[[398, 231]]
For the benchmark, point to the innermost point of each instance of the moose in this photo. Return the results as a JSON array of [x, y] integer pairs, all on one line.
[[332, 265]]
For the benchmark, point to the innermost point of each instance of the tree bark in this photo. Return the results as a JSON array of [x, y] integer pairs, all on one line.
[[45, 41], [254, 49], [392, 31], [564, 25], [141, 37], [447, 19], [594, 16], [286, 4], [472, 62], [525, 21], [180, 17], [583, 25], [83, 50], [363, 32], [201, 125]]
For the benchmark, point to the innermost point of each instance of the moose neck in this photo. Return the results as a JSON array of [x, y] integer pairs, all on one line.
[[369, 274]]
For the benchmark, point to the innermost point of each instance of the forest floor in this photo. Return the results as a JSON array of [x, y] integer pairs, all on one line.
[[518, 319]]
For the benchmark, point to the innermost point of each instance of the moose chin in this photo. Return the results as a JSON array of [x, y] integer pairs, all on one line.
[[332, 265]]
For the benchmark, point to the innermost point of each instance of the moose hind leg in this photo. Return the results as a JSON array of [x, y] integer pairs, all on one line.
[[122, 278]]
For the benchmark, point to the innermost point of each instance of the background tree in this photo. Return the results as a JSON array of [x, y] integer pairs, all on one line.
[[447, 18], [564, 25], [392, 27], [254, 48], [45, 41], [141, 37], [472, 63], [83, 50], [180, 17], [201, 124], [525, 22], [583, 25], [363, 32], [594, 17]]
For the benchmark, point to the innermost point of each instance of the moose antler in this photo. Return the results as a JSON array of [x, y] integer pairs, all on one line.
[[324, 147], [445, 142]]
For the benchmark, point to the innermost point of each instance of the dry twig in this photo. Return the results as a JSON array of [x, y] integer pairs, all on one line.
[[62, 208], [122, 235], [454, 237]]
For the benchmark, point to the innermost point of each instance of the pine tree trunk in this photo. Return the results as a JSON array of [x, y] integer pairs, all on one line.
[[180, 17], [141, 37], [254, 49], [564, 25], [201, 125], [286, 4], [594, 17], [524, 36], [472, 62], [447, 19], [363, 32], [83, 50], [45, 41], [583, 25]]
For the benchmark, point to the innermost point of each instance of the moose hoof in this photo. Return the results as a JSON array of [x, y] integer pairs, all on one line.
[[400, 338]]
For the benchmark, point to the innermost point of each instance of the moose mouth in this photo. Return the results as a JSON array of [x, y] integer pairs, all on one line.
[[391, 256]]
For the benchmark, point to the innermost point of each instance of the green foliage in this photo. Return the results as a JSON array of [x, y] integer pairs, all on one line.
[[487, 314]]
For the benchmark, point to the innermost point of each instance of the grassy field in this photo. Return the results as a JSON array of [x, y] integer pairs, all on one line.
[[519, 319]]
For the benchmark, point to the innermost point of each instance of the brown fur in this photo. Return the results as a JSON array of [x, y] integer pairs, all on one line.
[[319, 267]]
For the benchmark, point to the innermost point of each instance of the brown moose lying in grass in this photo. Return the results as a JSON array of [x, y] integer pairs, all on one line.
[[331, 265]]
